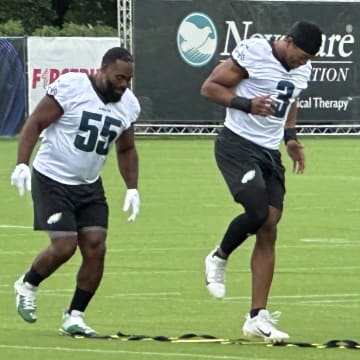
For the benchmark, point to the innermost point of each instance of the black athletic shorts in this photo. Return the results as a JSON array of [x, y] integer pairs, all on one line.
[[60, 207], [237, 156]]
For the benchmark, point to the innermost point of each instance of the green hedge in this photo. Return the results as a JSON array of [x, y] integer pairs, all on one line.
[[15, 28]]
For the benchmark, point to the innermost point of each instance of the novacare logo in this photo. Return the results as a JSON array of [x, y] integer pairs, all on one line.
[[197, 39], [334, 60]]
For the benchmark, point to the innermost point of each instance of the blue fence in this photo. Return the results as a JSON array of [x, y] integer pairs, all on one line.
[[13, 99]]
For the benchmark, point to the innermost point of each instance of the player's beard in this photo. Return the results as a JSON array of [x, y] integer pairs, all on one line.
[[110, 93]]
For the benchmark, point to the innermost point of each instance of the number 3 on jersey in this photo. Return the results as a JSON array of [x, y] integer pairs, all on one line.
[[92, 141], [284, 94]]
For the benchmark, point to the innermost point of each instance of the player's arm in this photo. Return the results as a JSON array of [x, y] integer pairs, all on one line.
[[128, 163], [289, 127], [46, 112], [294, 148], [219, 86], [292, 116], [127, 158]]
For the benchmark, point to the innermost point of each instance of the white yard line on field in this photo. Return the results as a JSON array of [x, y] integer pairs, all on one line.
[[305, 296], [329, 241], [5, 226], [168, 355]]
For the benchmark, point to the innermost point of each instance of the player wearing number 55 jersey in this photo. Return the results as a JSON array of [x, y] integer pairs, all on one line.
[[258, 85], [73, 150], [79, 120]]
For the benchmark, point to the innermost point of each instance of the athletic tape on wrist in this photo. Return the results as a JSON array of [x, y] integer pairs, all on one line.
[[290, 134], [241, 103]]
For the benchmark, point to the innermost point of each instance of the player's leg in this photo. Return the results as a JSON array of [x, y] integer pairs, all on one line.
[[46, 262], [236, 158], [52, 213], [263, 260], [259, 322], [92, 219], [92, 247]]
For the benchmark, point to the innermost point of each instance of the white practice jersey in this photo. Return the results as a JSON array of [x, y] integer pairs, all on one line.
[[74, 148], [266, 76]]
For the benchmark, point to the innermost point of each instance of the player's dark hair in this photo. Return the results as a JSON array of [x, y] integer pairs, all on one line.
[[307, 36], [116, 53]]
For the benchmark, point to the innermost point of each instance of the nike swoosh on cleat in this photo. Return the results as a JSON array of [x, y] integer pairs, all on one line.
[[266, 334]]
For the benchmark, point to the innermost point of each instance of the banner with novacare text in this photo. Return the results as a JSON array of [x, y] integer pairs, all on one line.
[[49, 57], [178, 43]]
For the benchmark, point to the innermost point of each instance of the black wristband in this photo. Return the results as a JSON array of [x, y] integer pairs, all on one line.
[[241, 103], [290, 134]]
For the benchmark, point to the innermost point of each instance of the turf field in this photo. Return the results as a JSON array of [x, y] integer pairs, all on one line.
[[154, 281]]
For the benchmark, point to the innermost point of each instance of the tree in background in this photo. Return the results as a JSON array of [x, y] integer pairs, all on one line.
[[92, 12], [60, 6], [34, 15], [31, 13]]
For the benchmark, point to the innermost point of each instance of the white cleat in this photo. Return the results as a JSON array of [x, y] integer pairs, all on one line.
[[25, 295], [73, 324], [215, 275], [263, 326]]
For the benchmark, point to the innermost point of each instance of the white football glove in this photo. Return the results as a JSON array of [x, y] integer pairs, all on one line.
[[132, 200], [21, 178]]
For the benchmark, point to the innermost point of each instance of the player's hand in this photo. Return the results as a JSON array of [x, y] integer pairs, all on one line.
[[296, 152], [21, 178], [263, 105], [132, 201]]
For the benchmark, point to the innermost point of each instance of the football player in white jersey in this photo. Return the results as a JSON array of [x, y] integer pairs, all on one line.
[[258, 85], [80, 118]]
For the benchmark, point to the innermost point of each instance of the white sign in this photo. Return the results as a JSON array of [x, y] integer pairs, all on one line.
[[49, 57]]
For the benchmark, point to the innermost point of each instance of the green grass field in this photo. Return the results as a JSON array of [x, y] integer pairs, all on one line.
[[154, 279]]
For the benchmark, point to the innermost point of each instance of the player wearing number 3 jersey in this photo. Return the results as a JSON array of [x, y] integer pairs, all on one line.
[[258, 85], [269, 78], [79, 120]]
